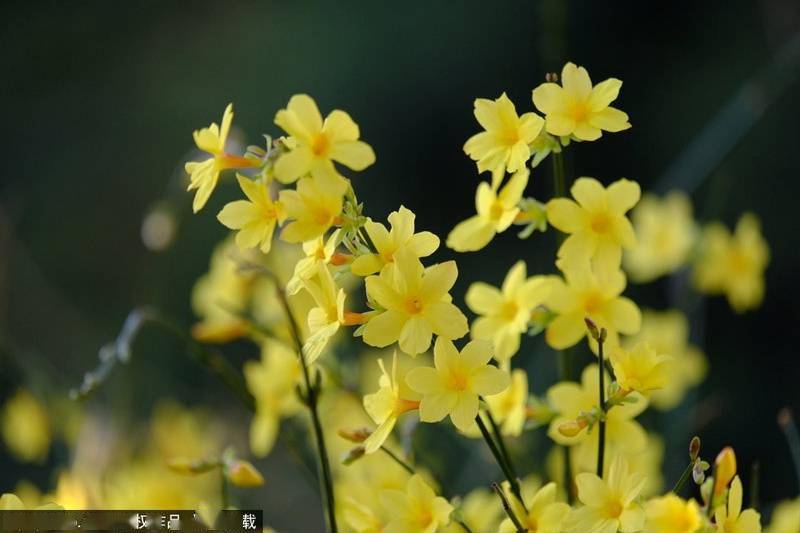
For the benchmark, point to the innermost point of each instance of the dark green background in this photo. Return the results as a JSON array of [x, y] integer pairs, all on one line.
[[100, 98]]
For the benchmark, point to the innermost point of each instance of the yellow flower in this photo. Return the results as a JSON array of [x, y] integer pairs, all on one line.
[[505, 313], [597, 224], [608, 505], [244, 474], [641, 369], [594, 295], [387, 243], [733, 264], [255, 218], [392, 399], [496, 212], [325, 319], [665, 233], [317, 144], [668, 333], [415, 303], [318, 252], [454, 385], [10, 502], [272, 382], [220, 296], [578, 109], [731, 519], [26, 427], [503, 146], [785, 517], [509, 407], [205, 174], [569, 399], [544, 514], [417, 509], [671, 514], [479, 511], [313, 208]]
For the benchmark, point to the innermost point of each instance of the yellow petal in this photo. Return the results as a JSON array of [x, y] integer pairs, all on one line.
[[490, 380], [483, 299], [236, 215], [425, 380], [423, 244], [446, 320], [471, 235], [566, 215], [590, 194], [263, 432], [622, 195], [356, 155], [549, 98], [565, 331], [438, 280], [560, 124], [464, 412], [365, 265], [415, 336], [434, 407], [576, 81], [603, 94], [293, 165], [384, 329], [379, 436], [476, 354], [610, 119], [306, 116], [340, 127]]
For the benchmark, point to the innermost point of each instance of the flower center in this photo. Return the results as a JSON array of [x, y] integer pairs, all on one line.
[[614, 509], [511, 136], [322, 216], [458, 380], [531, 524], [401, 406], [424, 518], [592, 303], [739, 262], [413, 306], [496, 210], [509, 310], [320, 144], [600, 223], [579, 113]]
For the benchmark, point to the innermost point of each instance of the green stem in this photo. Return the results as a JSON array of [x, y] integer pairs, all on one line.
[[601, 434], [223, 489], [684, 477], [787, 424], [507, 507], [396, 458], [311, 401], [559, 180], [501, 444], [512, 481]]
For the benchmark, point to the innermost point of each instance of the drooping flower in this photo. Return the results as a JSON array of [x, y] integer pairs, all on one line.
[[503, 145], [416, 509], [543, 515], [505, 313], [313, 208], [733, 264], [569, 399], [272, 383], [205, 174], [609, 505], [401, 235], [668, 333], [454, 385], [317, 144], [641, 368], [596, 223], [26, 427], [392, 399], [597, 296], [577, 109], [672, 514], [318, 252], [255, 218], [414, 303], [730, 518], [665, 234], [328, 316], [496, 212]]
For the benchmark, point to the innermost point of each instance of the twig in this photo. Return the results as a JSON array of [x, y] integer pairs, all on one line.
[[507, 507]]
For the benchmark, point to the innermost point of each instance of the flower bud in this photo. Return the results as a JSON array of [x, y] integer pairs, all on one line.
[[188, 467], [244, 474], [725, 469], [355, 435], [354, 455], [592, 327], [694, 448], [572, 427]]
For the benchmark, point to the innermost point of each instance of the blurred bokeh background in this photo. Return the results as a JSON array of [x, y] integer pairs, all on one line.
[[99, 101]]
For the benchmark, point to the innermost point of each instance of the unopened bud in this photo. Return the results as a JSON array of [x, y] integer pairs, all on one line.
[[354, 455], [182, 465], [355, 435], [551, 77], [244, 474], [725, 464], [572, 427], [694, 448], [698, 472], [592, 327]]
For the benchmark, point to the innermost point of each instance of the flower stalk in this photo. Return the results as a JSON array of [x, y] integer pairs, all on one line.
[[507, 508], [513, 482]]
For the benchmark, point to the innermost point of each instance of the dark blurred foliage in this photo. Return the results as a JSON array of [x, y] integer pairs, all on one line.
[[100, 98]]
